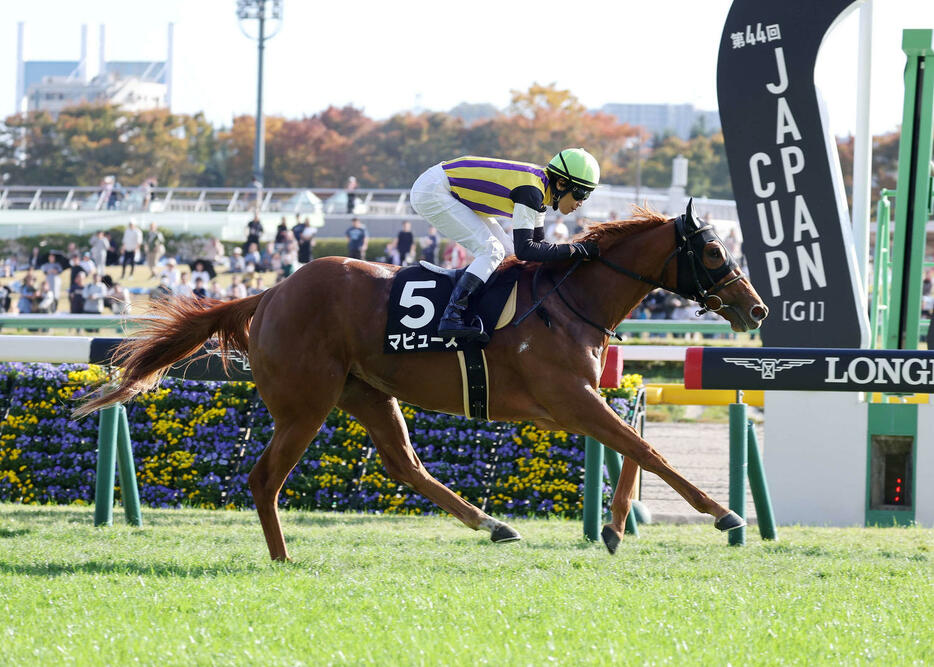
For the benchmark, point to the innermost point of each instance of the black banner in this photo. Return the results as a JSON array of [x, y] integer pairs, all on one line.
[[786, 173], [810, 369], [208, 367]]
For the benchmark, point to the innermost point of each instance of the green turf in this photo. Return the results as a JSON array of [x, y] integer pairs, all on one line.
[[195, 588]]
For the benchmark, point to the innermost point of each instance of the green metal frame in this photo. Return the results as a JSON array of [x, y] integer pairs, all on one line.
[[892, 419], [913, 194]]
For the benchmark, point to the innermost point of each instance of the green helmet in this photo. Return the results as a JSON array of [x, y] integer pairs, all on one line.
[[578, 166]]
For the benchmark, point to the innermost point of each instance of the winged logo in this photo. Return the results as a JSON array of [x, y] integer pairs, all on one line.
[[767, 367]]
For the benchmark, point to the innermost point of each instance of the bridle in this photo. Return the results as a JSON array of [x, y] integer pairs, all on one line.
[[695, 282]]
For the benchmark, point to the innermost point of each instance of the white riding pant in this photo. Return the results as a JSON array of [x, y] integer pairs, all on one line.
[[482, 236]]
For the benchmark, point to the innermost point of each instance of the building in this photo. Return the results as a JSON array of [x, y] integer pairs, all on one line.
[[679, 119], [47, 85]]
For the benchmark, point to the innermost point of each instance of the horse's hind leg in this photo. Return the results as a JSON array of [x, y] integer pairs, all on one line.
[[289, 441], [380, 415]]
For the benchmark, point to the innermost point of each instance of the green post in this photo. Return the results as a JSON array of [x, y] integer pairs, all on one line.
[[760, 487], [128, 488], [106, 455], [593, 488], [614, 466], [738, 451], [881, 270], [914, 191]]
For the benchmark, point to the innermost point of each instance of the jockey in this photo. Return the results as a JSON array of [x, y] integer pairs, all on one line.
[[457, 196]]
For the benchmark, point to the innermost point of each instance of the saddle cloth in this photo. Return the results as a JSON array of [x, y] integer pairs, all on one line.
[[418, 298]]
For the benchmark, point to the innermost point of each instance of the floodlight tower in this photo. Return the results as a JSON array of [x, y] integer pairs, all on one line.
[[262, 11]]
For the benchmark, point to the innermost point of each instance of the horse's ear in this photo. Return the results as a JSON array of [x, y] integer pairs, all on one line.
[[690, 215]]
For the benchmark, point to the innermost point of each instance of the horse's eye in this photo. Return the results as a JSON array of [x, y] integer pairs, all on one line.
[[713, 256]]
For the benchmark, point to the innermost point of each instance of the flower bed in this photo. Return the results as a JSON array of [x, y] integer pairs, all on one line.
[[195, 442]]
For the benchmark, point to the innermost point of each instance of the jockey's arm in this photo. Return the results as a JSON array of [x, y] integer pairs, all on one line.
[[528, 230]]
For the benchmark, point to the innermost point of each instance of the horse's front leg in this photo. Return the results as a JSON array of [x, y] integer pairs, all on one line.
[[612, 533], [586, 412]]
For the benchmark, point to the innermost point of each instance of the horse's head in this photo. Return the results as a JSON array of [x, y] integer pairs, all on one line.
[[709, 275]]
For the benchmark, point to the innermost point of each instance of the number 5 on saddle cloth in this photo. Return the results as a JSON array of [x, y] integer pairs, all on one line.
[[417, 300]]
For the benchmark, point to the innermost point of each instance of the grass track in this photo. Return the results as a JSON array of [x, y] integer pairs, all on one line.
[[195, 588]]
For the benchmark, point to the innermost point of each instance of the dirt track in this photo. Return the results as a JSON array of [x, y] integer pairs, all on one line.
[[700, 452]]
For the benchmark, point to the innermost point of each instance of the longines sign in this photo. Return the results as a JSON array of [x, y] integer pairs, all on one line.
[[810, 369], [786, 173]]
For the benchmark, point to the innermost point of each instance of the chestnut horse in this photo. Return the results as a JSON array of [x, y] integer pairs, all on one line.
[[333, 312]]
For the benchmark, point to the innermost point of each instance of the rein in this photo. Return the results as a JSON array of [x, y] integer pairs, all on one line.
[[684, 248]]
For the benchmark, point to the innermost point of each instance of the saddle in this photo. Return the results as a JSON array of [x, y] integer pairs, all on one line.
[[417, 300], [419, 296]]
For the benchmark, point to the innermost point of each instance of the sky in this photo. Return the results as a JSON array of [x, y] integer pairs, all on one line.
[[387, 57]]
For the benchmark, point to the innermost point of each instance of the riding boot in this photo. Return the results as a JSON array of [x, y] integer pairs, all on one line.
[[452, 324]]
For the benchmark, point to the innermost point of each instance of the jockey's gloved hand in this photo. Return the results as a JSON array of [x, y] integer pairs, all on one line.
[[587, 249]]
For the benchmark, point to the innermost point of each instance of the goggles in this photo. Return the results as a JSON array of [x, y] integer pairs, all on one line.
[[580, 194]]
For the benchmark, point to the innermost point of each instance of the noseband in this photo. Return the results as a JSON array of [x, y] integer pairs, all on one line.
[[695, 282]]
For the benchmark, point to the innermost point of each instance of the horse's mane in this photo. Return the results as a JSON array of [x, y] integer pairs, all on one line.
[[605, 233]]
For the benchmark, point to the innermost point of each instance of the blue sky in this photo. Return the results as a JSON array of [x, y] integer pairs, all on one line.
[[388, 57]]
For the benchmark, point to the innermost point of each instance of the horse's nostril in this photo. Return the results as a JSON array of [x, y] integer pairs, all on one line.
[[759, 312]]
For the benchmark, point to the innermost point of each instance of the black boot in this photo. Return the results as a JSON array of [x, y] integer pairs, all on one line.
[[452, 323]]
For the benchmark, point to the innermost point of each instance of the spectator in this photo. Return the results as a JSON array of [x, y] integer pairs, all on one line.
[[455, 256], [119, 299], [94, 293], [116, 194], [200, 272], [405, 244], [53, 274], [429, 244], [185, 288], [257, 287], [216, 291], [89, 266], [74, 269], [45, 298], [132, 241], [351, 195], [282, 234], [162, 291], [266, 259], [35, 259], [107, 188], [357, 239], [306, 243], [557, 232], [28, 294], [391, 255], [145, 191], [252, 255], [289, 258], [214, 250], [100, 244], [76, 294], [155, 248], [237, 264], [199, 291], [171, 273], [254, 230], [237, 289], [6, 299]]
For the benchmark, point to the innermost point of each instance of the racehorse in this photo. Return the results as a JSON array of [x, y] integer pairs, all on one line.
[[333, 310]]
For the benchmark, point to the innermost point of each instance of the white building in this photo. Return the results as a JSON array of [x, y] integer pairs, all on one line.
[[44, 85]]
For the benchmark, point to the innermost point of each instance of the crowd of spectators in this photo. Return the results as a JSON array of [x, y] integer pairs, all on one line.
[[83, 280]]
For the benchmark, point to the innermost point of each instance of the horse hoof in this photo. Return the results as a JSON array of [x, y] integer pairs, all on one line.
[[503, 533], [610, 539], [729, 521]]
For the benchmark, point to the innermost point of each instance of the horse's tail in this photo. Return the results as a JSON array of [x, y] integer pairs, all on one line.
[[180, 328]]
